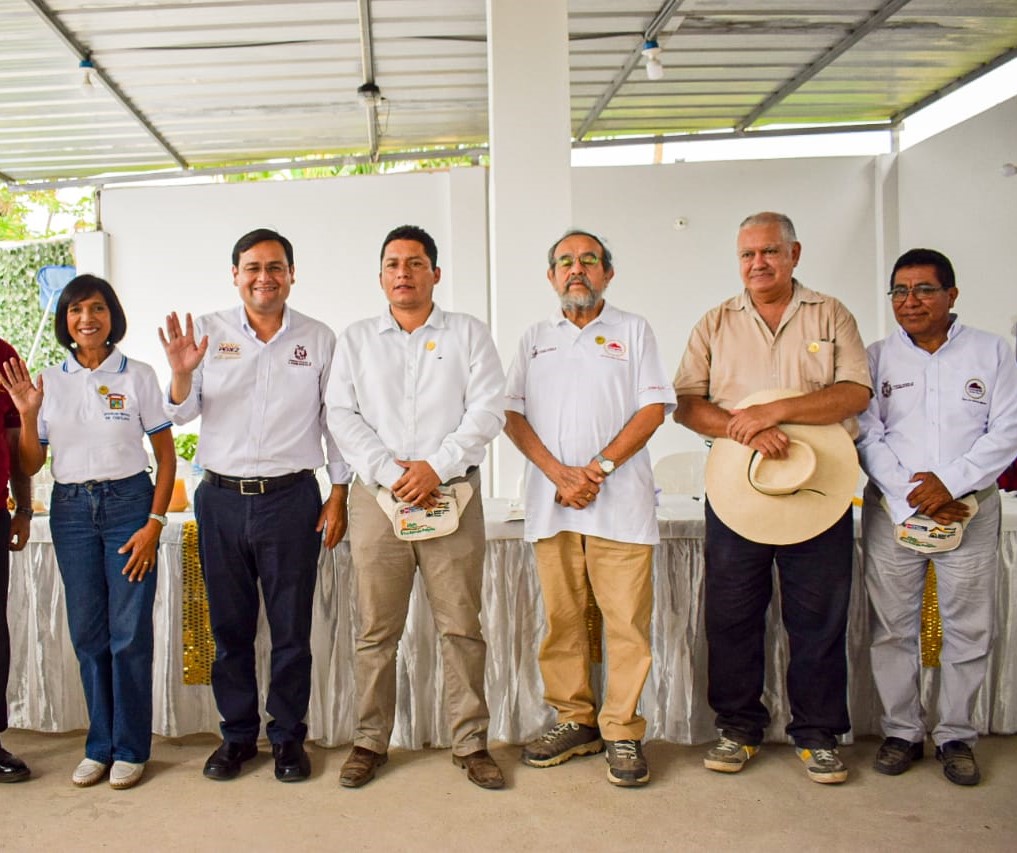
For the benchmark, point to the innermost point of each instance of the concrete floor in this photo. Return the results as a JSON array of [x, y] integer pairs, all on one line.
[[420, 801]]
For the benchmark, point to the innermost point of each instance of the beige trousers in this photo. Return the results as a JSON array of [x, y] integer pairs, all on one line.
[[452, 570], [620, 574]]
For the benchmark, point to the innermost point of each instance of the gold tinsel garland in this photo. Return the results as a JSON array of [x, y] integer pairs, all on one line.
[[932, 628], [199, 645]]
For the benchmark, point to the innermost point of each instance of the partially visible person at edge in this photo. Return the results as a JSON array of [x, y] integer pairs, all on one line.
[[93, 411], [14, 533], [939, 431], [776, 333], [256, 374], [586, 391], [414, 399]]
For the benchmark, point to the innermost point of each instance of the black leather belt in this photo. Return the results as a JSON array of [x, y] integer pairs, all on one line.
[[256, 485]]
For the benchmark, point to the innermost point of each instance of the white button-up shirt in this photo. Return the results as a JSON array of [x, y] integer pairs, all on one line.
[[94, 420], [952, 412], [433, 394], [262, 403], [577, 388]]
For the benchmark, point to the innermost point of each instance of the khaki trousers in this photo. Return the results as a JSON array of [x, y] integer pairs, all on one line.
[[620, 574], [452, 570]]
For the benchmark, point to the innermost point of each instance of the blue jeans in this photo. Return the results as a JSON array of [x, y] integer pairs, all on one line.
[[110, 618]]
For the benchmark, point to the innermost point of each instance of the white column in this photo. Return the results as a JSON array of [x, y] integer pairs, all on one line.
[[530, 191], [91, 253]]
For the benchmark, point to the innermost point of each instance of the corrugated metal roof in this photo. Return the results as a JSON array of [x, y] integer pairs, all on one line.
[[207, 83]]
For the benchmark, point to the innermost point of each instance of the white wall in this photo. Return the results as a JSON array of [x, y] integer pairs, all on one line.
[[169, 247], [953, 198]]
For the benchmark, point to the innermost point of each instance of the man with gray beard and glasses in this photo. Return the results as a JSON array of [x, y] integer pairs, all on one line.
[[585, 392]]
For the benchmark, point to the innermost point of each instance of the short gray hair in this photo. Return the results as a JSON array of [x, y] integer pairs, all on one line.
[[768, 217]]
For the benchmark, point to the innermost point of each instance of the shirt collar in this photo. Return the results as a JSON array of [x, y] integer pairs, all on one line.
[[799, 294], [249, 330], [952, 332], [436, 320], [115, 362], [609, 316]]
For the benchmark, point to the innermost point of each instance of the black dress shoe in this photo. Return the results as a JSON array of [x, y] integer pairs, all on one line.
[[291, 762], [895, 755], [958, 763], [225, 762], [12, 768]]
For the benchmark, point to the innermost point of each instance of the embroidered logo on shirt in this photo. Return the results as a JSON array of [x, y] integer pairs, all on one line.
[[974, 389], [886, 389], [116, 404], [227, 350], [300, 356], [534, 352], [116, 401], [615, 349]]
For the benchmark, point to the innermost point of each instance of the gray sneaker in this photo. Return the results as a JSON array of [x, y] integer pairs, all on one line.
[[626, 765], [559, 743], [824, 765], [728, 756]]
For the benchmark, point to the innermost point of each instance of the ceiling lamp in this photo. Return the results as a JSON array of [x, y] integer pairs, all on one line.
[[87, 69], [651, 50], [369, 95]]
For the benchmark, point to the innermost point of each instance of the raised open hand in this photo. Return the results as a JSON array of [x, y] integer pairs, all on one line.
[[17, 382], [182, 352]]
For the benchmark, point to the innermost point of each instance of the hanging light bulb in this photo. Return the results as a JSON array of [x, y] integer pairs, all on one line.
[[87, 84], [654, 69]]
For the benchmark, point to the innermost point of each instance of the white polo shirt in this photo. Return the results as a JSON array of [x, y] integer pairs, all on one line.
[[952, 412], [94, 420], [578, 388], [262, 403], [434, 394]]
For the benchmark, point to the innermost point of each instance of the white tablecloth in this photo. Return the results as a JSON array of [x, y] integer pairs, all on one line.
[[45, 691]]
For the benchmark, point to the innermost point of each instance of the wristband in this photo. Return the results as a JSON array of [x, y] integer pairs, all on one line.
[[25, 510], [160, 518]]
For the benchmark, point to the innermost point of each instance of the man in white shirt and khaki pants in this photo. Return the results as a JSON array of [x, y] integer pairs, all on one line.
[[414, 398], [585, 392]]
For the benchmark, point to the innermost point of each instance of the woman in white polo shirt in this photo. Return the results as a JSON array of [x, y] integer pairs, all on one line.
[[105, 514]]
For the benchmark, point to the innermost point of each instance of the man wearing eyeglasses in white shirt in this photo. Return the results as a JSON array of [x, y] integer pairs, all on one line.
[[586, 391], [414, 399], [940, 429]]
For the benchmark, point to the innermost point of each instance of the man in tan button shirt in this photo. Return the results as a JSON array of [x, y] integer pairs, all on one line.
[[775, 334]]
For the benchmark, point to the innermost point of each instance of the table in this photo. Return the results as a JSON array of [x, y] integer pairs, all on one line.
[[45, 690]]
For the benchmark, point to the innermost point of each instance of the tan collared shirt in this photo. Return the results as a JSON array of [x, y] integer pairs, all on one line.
[[732, 352]]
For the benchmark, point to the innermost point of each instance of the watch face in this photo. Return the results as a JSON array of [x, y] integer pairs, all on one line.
[[606, 465]]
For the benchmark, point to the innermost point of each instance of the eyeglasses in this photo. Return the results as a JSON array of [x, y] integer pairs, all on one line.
[[923, 292], [587, 259], [274, 269]]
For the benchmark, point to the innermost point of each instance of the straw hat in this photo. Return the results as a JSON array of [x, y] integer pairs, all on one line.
[[783, 501]]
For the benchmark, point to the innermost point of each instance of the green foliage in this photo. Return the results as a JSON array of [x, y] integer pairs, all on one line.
[[20, 312], [186, 444], [76, 214]]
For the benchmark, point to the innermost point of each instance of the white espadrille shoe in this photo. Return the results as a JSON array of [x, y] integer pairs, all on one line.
[[125, 774], [89, 772]]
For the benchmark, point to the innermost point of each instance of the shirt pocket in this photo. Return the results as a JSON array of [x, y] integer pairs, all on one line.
[[817, 364]]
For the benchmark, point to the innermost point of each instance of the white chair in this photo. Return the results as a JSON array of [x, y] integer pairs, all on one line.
[[681, 473]]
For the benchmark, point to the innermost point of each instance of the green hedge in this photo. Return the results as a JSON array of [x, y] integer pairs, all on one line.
[[20, 311]]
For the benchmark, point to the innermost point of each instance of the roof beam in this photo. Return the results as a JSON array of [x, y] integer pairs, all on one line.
[[82, 52], [660, 20], [367, 65], [874, 21]]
